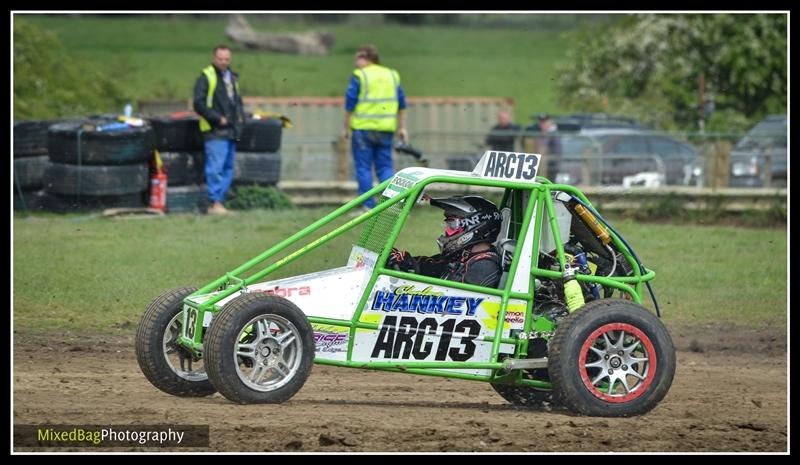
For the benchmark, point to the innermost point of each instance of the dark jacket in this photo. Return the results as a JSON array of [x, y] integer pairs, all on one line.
[[500, 139], [479, 268], [233, 110]]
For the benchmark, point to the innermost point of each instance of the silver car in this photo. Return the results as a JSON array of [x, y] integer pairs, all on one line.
[[608, 155], [766, 141]]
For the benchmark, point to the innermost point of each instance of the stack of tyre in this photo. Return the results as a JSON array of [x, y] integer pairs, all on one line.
[[30, 160], [258, 158], [180, 145], [91, 167]]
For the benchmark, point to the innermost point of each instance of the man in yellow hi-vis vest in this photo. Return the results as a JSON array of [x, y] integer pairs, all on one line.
[[374, 109], [219, 103]]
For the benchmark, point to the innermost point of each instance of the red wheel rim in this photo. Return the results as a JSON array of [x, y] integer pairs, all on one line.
[[617, 362]]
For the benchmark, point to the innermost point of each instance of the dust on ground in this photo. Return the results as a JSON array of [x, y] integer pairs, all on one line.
[[729, 394]]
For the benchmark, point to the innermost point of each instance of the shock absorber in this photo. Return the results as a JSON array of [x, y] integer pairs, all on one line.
[[593, 224]]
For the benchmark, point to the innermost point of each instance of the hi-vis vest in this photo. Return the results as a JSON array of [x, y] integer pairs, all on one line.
[[377, 105], [211, 75]]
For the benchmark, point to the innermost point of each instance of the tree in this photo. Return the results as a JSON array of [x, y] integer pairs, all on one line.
[[649, 66], [48, 83]]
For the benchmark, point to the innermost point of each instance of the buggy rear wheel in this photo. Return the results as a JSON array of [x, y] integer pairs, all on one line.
[[611, 358]]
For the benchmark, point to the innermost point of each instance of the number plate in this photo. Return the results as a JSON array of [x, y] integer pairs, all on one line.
[[191, 321]]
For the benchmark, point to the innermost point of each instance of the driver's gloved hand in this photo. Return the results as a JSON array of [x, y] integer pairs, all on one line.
[[400, 260]]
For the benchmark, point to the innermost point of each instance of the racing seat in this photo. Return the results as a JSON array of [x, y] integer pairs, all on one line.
[[505, 246], [506, 250]]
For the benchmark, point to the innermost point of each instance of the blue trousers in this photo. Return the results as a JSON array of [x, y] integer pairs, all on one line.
[[371, 148], [220, 156]]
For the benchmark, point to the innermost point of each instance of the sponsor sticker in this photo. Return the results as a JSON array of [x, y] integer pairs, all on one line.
[[329, 341], [408, 299], [401, 182], [407, 338]]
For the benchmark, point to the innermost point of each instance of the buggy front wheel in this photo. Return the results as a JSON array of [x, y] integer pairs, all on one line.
[[259, 349], [166, 364]]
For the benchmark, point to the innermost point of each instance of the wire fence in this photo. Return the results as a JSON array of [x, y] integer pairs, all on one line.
[[595, 158]]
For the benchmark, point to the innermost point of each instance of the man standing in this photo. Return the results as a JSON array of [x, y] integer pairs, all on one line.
[[218, 101], [549, 142], [374, 102], [502, 136]]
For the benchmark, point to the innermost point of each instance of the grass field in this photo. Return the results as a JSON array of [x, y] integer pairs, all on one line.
[[84, 273], [160, 57]]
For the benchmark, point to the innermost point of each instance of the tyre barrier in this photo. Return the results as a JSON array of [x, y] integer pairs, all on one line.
[[78, 143], [29, 172], [261, 135], [30, 138], [91, 180], [177, 134], [263, 169], [183, 168], [26, 200], [38, 201], [187, 199]]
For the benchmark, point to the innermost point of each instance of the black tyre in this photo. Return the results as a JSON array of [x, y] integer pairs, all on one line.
[[27, 201], [259, 349], [261, 135], [95, 180], [30, 138], [187, 199], [177, 134], [29, 172], [165, 364], [263, 169], [529, 396], [78, 143], [183, 168], [59, 203], [611, 358]]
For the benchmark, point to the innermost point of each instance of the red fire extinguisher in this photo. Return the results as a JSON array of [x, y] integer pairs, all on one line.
[[158, 185]]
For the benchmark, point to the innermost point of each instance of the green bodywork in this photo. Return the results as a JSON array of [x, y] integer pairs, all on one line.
[[382, 227]]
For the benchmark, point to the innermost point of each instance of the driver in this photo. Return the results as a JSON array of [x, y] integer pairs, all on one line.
[[471, 224]]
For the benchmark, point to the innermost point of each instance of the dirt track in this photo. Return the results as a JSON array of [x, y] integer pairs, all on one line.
[[729, 394]]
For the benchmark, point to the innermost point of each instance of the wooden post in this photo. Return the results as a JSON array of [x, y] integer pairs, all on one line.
[[341, 146], [532, 145], [768, 166], [547, 163], [528, 145], [722, 164], [585, 171]]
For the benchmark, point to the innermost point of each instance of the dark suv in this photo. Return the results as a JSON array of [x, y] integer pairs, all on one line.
[[766, 140], [608, 155], [579, 121]]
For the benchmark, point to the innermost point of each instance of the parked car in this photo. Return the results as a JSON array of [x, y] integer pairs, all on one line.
[[766, 139], [616, 153], [579, 121]]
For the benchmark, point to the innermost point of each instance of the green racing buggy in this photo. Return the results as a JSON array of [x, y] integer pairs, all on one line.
[[566, 325]]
